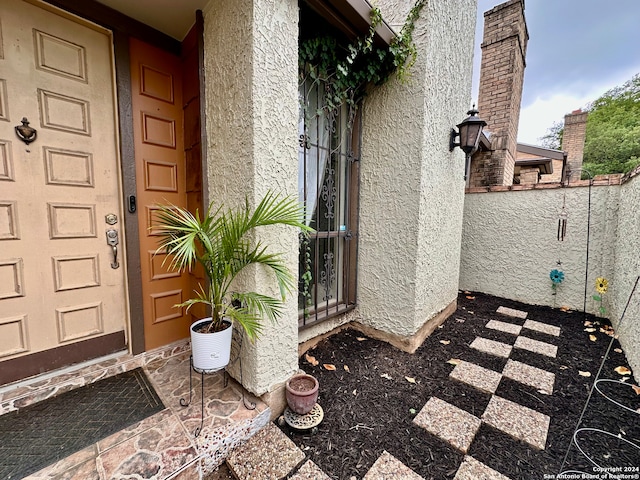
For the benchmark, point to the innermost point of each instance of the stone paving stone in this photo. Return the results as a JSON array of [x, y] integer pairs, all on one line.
[[543, 348], [542, 327], [268, 455], [520, 422], [388, 467], [511, 312], [472, 469], [532, 376], [476, 376], [504, 327], [491, 347], [310, 471], [451, 424]]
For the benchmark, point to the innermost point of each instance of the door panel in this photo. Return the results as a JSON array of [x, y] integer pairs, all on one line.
[[160, 177], [57, 284]]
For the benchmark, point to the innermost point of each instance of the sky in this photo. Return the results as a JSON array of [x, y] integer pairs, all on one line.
[[577, 50]]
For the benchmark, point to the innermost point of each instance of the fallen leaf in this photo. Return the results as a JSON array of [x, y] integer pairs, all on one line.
[[412, 411], [584, 374], [543, 392], [385, 375], [346, 368], [636, 389], [472, 313], [460, 320], [410, 379], [617, 350], [470, 297], [563, 367], [440, 326], [328, 366], [624, 379], [453, 361], [622, 370], [360, 339], [588, 324], [590, 329], [564, 309], [355, 392], [467, 293], [310, 359], [445, 342], [593, 338]]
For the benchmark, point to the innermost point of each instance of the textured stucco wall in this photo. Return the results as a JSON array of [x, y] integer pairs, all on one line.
[[411, 197], [627, 269], [251, 66], [509, 244]]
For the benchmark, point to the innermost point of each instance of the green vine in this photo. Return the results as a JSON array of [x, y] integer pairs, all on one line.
[[307, 277], [347, 70]]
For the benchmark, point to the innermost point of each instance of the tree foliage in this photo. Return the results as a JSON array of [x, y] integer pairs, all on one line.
[[612, 142]]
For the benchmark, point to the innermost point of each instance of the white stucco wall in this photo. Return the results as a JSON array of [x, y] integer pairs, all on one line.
[[627, 269], [509, 244], [412, 187], [251, 68]]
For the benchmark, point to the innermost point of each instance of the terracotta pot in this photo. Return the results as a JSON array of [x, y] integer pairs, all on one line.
[[302, 393]]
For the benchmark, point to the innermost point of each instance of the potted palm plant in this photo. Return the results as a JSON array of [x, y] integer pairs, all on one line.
[[220, 241]]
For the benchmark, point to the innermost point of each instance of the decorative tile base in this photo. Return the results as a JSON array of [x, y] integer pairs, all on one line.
[[542, 327], [528, 375], [451, 424]]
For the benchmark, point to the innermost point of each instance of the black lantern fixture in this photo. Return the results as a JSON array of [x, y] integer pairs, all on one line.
[[469, 131]]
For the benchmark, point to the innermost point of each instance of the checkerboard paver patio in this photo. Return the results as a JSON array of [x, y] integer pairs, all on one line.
[[522, 423], [476, 376], [492, 347], [528, 375], [448, 422], [511, 328], [542, 327], [536, 346]]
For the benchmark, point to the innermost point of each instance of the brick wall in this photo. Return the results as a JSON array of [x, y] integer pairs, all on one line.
[[575, 127], [502, 67]]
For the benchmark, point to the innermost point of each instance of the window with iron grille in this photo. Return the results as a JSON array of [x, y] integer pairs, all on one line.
[[328, 158]]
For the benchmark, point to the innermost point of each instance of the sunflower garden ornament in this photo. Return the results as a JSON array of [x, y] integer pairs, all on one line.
[[602, 285]]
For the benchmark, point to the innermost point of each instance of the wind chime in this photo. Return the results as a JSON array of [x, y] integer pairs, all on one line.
[[562, 221], [557, 275]]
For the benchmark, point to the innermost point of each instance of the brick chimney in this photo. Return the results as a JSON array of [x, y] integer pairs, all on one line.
[[575, 129], [504, 48]]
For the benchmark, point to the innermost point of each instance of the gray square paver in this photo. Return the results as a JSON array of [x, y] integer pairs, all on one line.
[[476, 376], [388, 467], [543, 348], [472, 469], [491, 347], [451, 424], [532, 376], [512, 312], [504, 327], [520, 422], [542, 327]]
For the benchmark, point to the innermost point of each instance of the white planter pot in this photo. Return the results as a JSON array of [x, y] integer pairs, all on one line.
[[211, 351]]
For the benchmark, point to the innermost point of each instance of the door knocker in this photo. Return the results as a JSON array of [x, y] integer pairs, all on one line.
[[26, 133]]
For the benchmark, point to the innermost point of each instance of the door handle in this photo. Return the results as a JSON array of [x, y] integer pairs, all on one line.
[[112, 241]]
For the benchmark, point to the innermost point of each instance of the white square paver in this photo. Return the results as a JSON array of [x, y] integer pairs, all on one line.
[[542, 327], [504, 327], [472, 469], [532, 376], [476, 376], [543, 348], [491, 347], [388, 467], [451, 424], [520, 422], [512, 312]]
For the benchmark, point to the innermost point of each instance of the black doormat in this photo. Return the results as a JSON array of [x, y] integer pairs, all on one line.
[[38, 435]]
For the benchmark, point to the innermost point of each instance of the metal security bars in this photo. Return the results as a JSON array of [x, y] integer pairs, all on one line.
[[328, 157]]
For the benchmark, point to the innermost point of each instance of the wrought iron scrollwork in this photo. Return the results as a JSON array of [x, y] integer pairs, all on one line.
[[328, 276]]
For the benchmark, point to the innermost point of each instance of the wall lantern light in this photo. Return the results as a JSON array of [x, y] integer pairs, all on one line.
[[469, 131]]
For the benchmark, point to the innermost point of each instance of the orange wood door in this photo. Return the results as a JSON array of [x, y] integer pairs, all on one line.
[[160, 176]]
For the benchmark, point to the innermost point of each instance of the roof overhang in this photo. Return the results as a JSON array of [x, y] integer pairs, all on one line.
[[544, 165]]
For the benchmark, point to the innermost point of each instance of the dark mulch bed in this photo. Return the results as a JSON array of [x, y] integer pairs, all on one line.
[[366, 413]]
